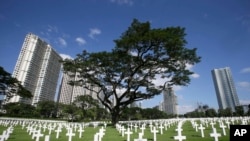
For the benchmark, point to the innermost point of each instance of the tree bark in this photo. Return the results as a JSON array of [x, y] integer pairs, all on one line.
[[115, 115]]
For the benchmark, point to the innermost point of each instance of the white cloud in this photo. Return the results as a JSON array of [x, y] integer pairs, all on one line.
[[65, 56], [190, 67], [52, 28], [195, 75], [80, 41], [177, 88], [244, 85], [244, 102], [182, 109], [127, 2], [245, 70], [93, 32], [62, 41]]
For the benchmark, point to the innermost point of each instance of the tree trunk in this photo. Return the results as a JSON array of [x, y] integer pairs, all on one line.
[[115, 115]]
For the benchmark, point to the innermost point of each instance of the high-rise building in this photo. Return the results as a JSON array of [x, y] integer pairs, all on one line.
[[169, 101], [68, 93], [225, 88], [37, 68]]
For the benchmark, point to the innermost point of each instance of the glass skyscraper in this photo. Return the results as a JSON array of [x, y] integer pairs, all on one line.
[[225, 89], [169, 101], [37, 68]]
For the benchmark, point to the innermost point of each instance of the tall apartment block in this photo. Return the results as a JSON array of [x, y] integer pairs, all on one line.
[[169, 104], [225, 88], [37, 68], [68, 93]]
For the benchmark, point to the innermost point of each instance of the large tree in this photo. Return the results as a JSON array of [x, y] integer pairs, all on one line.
[[10, 86], [46, 109], [87, 104], [129, 72]]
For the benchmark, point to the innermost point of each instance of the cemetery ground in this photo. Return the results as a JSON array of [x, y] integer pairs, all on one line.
[[166, 130]]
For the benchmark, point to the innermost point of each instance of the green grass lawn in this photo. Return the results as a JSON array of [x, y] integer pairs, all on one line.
[[111, 134]]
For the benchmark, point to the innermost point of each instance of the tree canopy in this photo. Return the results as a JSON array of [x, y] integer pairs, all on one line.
[[10, 86], [129, 72]]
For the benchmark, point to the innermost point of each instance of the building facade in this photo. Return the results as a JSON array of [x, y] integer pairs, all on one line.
[[225, 88], [169, 104], [37, 68], [68, 93]]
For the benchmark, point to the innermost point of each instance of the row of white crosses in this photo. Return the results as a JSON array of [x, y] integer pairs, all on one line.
[[37, 128], [99, 135], [212, 123], [6, 134], [156, 127]]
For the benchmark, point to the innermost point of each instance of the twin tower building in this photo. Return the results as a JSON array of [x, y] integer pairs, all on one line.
[[38, 69]]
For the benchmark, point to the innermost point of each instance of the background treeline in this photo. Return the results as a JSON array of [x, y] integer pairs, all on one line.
[[205, 111], [80, 110]]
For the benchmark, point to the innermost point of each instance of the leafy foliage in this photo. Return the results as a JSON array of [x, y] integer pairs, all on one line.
[[21, 110], [87, 105], [46, 109], [10, 86]]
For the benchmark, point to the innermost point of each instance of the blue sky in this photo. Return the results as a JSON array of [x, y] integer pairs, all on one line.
[[219, 29]]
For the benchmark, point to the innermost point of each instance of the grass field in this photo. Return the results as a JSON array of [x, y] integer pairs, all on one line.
[[111, 134]]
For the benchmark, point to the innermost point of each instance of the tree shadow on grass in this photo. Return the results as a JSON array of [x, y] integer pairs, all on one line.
[[195, 135]]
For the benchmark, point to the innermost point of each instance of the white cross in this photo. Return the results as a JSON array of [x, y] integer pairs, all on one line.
[[10, 129], [4, 136], [70, 134], [179, 137], [23, 125], [32, 130], [29, 128], [179, 129], [161, 128], [40, 126], [154, 131], [131, 126], [96, 137], [215, 134], [128, 132], [50, 129], [38, 135], [142, 129], [80, 130], [44, 128], [135, 126], [223, 129], [123, 129], [75, 127], [232, 121], [206, 122], [166, 126], [58, 130], [46, 138], [140, 138], [228, 124], [202, 130], [212, 124], [101, 133], [196, 126], [151, 126]]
